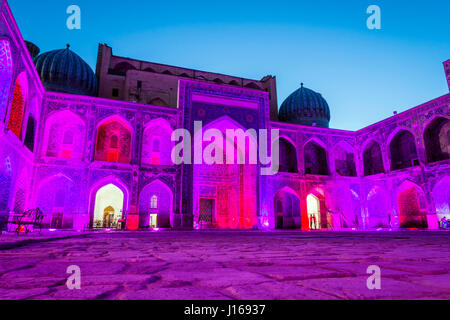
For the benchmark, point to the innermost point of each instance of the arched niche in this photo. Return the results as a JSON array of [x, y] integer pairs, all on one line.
[[287, 209], [403, 150], [437, 140], [157, 143], [64, 136], [109, 206], [344, 160], [372, 159], [18, 103], [225, 195], [412, 206], [6, 74], [114, 140], [316, 159], [156, 205], [288, 156]]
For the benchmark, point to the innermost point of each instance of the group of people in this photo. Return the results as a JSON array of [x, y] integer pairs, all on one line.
[[445, 224]]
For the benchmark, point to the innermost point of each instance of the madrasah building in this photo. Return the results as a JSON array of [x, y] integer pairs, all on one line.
[[93, 150]]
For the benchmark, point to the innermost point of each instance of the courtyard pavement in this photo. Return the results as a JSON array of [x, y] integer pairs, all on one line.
[[208, 265]]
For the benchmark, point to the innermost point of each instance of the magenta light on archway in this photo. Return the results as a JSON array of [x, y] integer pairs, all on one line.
[[161, 181]]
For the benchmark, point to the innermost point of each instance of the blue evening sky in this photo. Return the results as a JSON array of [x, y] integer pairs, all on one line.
[[364, 74]]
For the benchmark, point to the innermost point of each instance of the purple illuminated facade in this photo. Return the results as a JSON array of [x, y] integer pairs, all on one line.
[[94, 151]]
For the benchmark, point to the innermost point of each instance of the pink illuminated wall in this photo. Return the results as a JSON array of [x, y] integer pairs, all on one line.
[[226, 193], [378, 209]]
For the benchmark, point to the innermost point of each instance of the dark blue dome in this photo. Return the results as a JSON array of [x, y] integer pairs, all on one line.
[[305, 107], [64, 71]]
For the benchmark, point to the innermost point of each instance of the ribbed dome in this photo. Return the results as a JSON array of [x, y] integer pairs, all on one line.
[[64, 71], [305, 107]]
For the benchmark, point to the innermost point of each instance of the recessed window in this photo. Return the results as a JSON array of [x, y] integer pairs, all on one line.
[[154, 202], [115, 92]]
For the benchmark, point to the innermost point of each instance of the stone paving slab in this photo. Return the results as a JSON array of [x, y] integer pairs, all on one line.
[[221, 265]]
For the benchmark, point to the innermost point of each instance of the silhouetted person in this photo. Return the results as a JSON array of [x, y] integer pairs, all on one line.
[[444, 223]]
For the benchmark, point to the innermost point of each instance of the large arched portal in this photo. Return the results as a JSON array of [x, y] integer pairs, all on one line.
[[109, 203], [373, 160], [287, 209], [403, 151], [225, 191], [412, 206], [316, 160], [437, 140], [155, 206]]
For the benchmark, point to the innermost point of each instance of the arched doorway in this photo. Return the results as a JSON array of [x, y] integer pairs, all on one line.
[[316, 160], [437, 140], [287, 209], [403, 151], [225, 192], [373, 160], [155, 206], [314, 212], [319, 216], [109, 203], [412, 206]]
